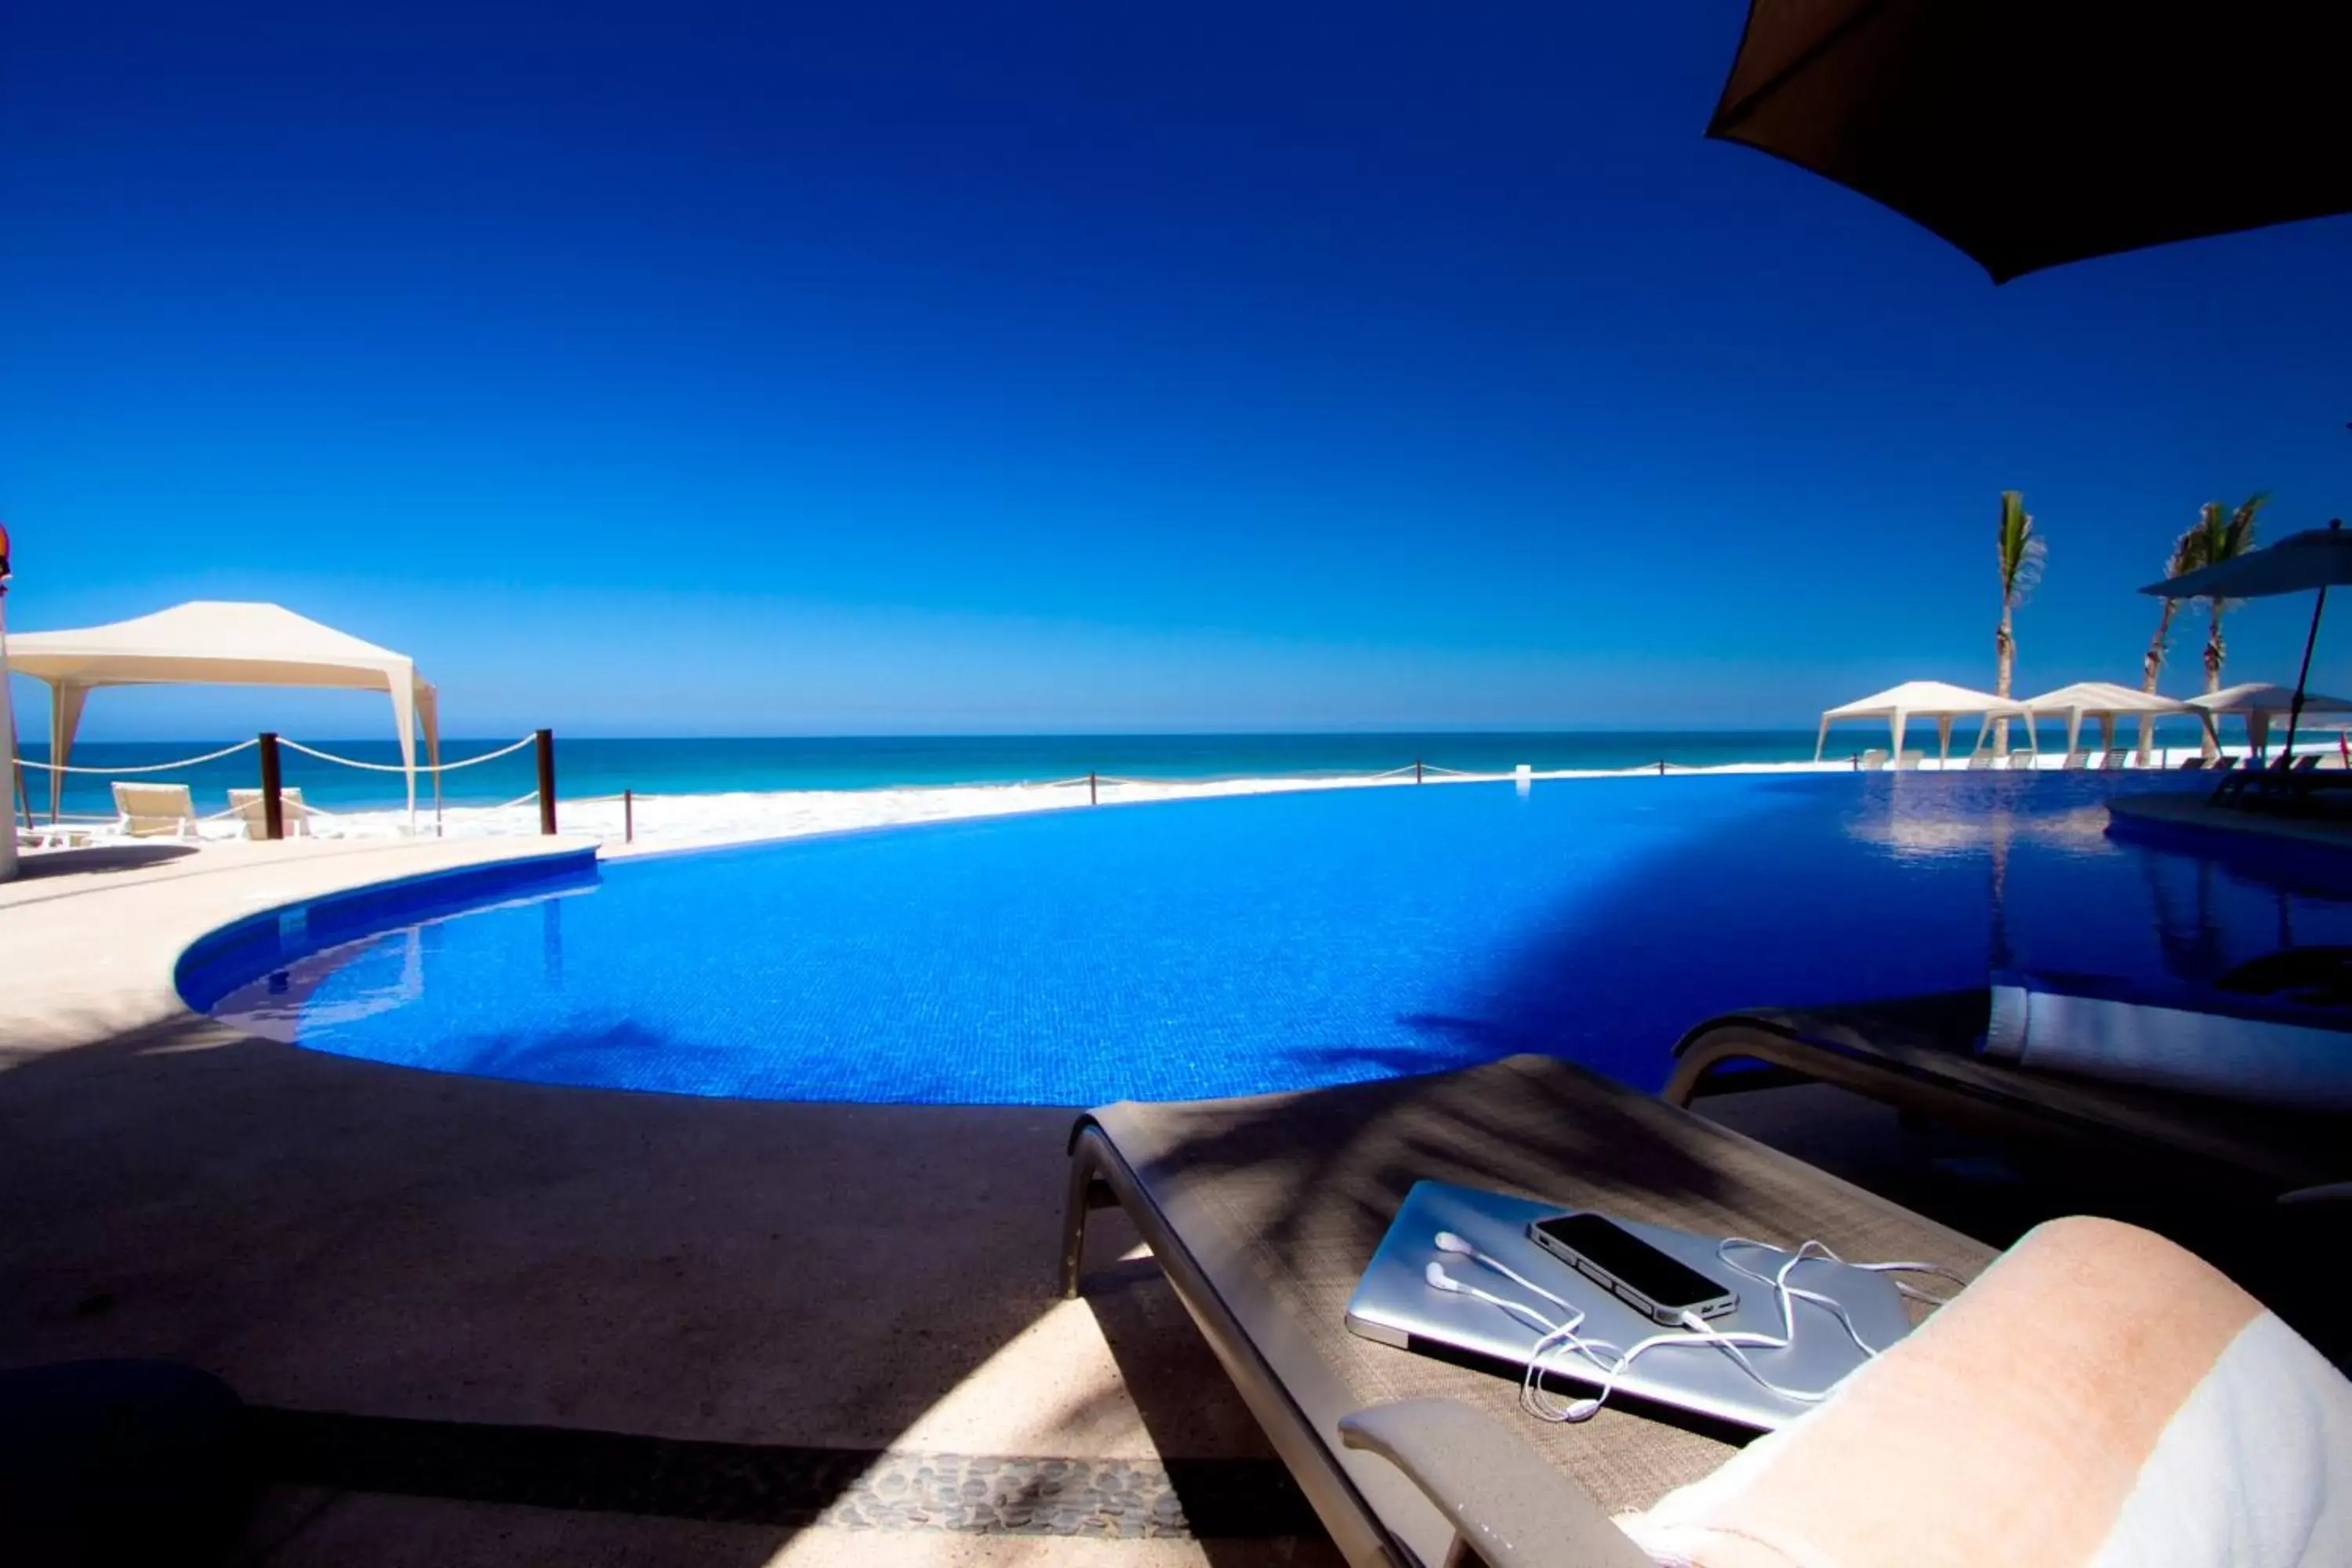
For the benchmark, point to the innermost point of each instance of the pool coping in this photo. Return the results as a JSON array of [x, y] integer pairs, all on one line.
[[103, 957], [242, 951]]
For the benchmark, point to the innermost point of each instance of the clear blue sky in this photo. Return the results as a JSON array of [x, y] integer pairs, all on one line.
[[674, 368]]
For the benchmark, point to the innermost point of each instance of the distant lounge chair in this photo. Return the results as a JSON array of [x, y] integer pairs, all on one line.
[[2191, 764], [1921, 1054], [2117, 757], [2224, 765], [2076, 761], [1979, 760], [1871, 761], [2307, 763], [155, 811], [247, 803], [1910, 759], [1263, 1211]]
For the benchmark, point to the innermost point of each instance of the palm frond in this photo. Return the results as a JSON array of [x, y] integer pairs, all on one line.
[[2188, 554], [2023, 553]]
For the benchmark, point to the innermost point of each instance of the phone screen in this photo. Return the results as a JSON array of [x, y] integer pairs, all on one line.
[[1626, 1257]]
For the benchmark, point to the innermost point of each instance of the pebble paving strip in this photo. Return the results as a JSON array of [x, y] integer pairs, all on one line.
[[848, 1489]]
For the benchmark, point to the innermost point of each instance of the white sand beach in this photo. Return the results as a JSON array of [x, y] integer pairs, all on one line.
[[658, 822]]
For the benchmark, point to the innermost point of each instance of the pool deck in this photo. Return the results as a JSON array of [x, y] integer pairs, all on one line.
[[461, 1303], [2188, 817]]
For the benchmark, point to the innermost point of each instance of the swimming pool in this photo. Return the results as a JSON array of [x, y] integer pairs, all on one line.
[[1230, 946]]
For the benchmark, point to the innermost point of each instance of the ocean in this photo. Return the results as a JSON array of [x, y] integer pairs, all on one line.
[[591, 766]]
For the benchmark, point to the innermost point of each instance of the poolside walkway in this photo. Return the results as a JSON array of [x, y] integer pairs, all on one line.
[[492, 1323]]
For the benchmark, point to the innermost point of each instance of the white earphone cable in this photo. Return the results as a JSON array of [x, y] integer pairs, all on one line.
[[1605, 1363]]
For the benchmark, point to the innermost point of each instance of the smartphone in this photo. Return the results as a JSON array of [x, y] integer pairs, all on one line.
[[1659, 1287]]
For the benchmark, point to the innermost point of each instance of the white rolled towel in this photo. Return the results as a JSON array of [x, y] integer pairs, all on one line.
[[2292, 1056]]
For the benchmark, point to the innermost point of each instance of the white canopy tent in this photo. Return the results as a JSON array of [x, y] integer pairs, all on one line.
[[211, 642], [1931, 699], [2104, 700], [2258, 703]]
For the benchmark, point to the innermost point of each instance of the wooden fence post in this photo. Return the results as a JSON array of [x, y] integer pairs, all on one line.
[[273, 792], [546, 740]]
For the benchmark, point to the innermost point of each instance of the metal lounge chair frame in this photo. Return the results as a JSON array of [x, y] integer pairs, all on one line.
[[1919, 1055], [1413, 1461]]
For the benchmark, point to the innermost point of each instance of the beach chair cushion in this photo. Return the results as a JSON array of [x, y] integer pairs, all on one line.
[[2248, 1048], [2097, 1396], [252, 815], [152, 809]]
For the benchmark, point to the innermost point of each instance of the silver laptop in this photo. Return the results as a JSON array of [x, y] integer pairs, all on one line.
[[1395, 1304]]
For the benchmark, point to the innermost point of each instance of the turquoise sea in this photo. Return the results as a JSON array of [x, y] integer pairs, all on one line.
[[591, 766]]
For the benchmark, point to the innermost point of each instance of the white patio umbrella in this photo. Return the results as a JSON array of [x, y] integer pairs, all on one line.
[[2318, 558], [2104, 700], [2259, 703], [1935, 700]]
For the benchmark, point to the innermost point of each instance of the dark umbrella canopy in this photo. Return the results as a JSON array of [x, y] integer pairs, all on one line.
[[2317, 558], [2032, 133]]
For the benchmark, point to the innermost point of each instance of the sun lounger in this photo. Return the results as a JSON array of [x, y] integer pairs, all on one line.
[[1263, 1211], [246, 804], [2117, 757], [1920, 1054], [1873, 760], [155, 811], [2191, 764]]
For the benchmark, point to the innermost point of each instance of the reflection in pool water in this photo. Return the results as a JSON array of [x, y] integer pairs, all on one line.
[[1250, 943]]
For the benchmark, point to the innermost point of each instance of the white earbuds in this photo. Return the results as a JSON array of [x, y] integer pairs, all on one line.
[[1449, 1242], [1605, 1364]]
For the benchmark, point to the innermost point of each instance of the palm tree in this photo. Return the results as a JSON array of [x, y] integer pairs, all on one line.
[[2188, 554], [2022, 554], [2223, 538], [2222, 535]]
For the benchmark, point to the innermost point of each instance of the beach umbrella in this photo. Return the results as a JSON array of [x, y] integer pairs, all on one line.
[[2259, 703], [2102, 700], [1935, 700], [2317, 558], [2033, 133]]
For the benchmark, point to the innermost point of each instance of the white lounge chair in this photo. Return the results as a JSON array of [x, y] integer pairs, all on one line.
[[246, 803], [155, 811], [1873, 761]]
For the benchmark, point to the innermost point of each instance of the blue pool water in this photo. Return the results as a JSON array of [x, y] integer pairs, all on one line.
[[1230, 946]]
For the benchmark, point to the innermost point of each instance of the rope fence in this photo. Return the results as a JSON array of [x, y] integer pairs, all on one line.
[[398, 767], [143, 768], [279, 809], [268, 810]]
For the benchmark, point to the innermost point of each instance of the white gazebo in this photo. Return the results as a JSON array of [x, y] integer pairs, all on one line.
[[2104, 700], [211, 642], [1936, 701], [2258, 703]]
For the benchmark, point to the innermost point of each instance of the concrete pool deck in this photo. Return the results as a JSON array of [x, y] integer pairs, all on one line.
[[826, 1332], [495, 1322]]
